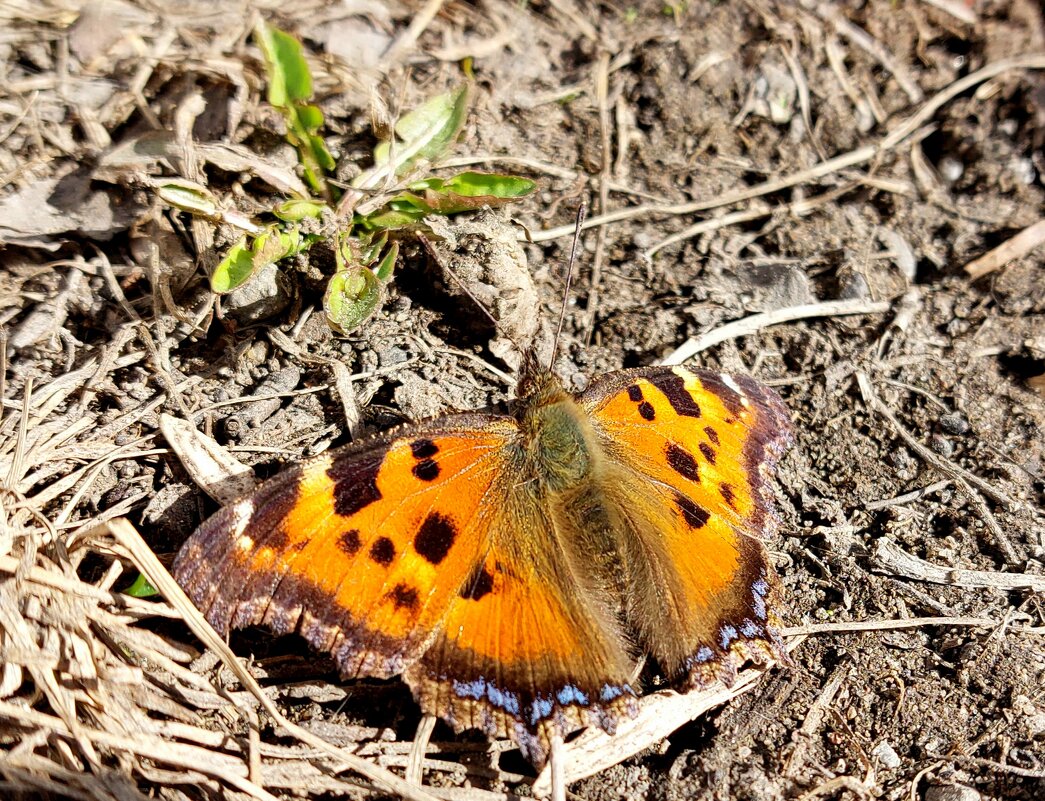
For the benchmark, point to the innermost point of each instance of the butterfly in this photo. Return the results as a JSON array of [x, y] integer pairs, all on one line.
[[515, 568]]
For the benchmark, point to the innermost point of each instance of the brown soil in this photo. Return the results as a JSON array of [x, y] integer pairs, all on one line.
[[920, 422]]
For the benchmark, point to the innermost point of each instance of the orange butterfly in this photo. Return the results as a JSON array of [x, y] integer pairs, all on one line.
[[514, 568]]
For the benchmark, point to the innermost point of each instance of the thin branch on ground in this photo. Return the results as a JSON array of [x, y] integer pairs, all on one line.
[[756, 322]]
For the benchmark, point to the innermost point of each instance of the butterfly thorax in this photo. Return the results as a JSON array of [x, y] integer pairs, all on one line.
[[556, 435], [557, 440]]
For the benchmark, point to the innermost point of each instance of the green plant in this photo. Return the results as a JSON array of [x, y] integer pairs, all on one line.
[[365, 223]]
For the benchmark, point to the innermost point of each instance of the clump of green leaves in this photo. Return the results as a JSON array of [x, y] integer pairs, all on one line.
[[289, 90], [366, 222]]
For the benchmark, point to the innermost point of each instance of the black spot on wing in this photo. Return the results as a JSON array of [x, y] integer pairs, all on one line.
[[682, 462], [708, 451], [435, 538], [712, 435], [426, 470], [694, 514], [646, 410], [728, 494], [423, 448], [674, 388], [479, 584], [404, 597], [355, 482], [349, 542], [383, 551]]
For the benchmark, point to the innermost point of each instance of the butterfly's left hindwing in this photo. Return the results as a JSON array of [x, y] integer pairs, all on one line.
[[688, 453]]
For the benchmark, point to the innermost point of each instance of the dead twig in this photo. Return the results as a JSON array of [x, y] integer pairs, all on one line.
[[1009, 250], [907, 497], [856, 626], [894, 559], [756, 322], [415, 765]]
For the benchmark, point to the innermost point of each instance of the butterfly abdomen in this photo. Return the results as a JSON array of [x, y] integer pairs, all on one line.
[[567, 465]]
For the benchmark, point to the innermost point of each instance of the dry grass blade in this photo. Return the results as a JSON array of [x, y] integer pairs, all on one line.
[[1020, 245], [756, 322]]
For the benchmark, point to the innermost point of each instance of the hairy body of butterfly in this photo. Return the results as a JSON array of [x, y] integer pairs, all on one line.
[[514, 568]]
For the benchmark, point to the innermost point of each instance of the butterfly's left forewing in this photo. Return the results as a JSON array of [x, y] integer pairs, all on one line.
[[687, 458], [362, 550]]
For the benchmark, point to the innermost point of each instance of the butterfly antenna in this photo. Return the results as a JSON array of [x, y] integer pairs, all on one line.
[[582, 212]]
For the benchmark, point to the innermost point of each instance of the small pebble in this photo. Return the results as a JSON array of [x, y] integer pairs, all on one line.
[[942, 445], [950, 169], [954, 423], [886, 755], [951, 792]]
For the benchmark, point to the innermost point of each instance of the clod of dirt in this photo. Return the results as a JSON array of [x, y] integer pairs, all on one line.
[[265, 295], [39, 214], [777, 286], [482, 254]]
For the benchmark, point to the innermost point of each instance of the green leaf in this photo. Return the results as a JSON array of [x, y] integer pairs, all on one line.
[[298, 210], [322, 154], [289, 77], [269, 247], [479, 184], [188, 196], [234, 270], [383, 271], [427, 132], [390, 219], [310, 117], [352, 296], [141, 588], [372, 247]]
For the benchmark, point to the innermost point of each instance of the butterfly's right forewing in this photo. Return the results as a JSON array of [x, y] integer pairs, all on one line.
[[688, 457]]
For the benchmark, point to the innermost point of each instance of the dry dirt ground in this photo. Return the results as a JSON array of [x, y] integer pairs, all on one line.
[[859, 183]]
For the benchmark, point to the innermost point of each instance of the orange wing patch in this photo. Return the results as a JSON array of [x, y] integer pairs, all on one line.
[[361, 551], [702, 433]]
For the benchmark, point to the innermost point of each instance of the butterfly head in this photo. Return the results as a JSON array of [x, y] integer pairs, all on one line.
[[537, 384]]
